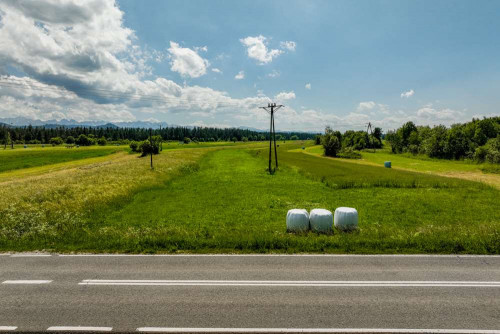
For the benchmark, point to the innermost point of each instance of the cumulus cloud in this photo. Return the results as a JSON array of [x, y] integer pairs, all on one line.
[[445, 114], [240, 75], [407, 94], [186, 61], [288, 45], [283, 96], [366, 105], [216, 70], [257, 49], [308, 86]]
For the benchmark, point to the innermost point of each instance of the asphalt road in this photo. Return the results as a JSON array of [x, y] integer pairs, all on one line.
[[406, 294]]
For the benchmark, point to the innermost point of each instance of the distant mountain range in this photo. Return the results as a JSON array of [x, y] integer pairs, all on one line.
[[23, 121]]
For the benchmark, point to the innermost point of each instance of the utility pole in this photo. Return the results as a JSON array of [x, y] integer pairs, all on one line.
[[151, 143], [161, 141], [369, 127], [271, 109]]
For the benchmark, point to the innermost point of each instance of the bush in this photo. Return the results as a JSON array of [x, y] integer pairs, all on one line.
[[294, 137], [102, 141], [330, 142], [134, 146], [244, 139], [70, 140], [317, 140], [83, 140], [56, 141], [234, 139], [349, 153], [187, 140], [493, 154]]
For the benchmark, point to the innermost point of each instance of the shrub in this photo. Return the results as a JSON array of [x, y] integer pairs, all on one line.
[[70, 140], [187, 140], [134, 146], [234, 139], [330, 142], [294, 137], [244, 139], [56, 141], [349, 153], [317, 140], [83, 140], [493, 154], [102, 141]]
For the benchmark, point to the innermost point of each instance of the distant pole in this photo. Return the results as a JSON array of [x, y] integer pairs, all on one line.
[[274, 137], [161, 141], [151, 143], [271, 109]]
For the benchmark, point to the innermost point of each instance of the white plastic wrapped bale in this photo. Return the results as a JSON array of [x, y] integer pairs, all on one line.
[[321, 220], [297, 220], [346, 219]]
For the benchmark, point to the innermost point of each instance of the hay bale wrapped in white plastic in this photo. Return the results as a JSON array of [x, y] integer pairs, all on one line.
[[346, 219], [321, 220], [297, 220]]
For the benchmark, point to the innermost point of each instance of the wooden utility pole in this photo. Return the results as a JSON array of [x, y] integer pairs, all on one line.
[[151, 143], [271, 109]]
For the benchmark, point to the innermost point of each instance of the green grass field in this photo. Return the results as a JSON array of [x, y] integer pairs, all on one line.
[[20, 158], [223, 200]]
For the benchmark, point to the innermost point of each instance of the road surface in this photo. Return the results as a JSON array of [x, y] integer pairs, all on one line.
[[407, 294]]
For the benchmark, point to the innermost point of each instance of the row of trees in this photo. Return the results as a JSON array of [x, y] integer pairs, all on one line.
[[42, 135], [335, 143], [478, 140]]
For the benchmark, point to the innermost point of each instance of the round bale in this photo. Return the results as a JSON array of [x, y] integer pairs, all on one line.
[[321, 220], [346, 219], [297, 220]]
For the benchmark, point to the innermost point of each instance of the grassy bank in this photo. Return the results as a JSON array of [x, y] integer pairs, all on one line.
[[227, 202]]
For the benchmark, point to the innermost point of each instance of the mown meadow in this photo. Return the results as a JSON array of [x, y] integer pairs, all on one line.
[[221, 199]]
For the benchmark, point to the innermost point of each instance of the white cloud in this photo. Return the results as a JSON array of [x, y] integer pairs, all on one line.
[[308, 86], [407, 94], [274, 74], [283, 96], [446, 114], [186, 61], [288, 45], [216, 70], [366, 105], [201, 48], [257, 49], [240, 75]]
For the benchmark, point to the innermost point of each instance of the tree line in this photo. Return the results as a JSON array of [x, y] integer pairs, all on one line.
[[43, 135], [344, 145], [477, 140]]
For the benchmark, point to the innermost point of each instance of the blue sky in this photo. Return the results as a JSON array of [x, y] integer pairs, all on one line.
[[433, 62]]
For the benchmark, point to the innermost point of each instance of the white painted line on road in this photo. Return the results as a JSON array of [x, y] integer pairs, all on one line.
[[314, 330], [20, 281], [30, 255], [292, 283], [8, 328], [80, 329]]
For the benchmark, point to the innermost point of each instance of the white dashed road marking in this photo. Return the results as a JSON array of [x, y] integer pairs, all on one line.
[[79, 329], [21, 281], [8, 328]]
